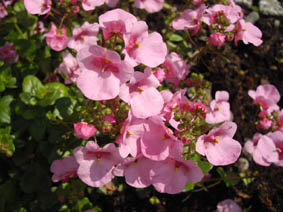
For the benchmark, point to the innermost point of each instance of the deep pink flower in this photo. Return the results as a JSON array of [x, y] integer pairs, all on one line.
[[116, 22], [57, 38], [176, 68], [84, 130], [159, 74], [39, 7], [96, 164], [248, 33], [102, 72], [228, 205], [217, 39], [219, 109], [150, 6], [69, 68], [171, 175], [218, 146], [8, 54], [3, 11], [190, 19], [264, 124], [141, 47], [83, 35], [64, 169]]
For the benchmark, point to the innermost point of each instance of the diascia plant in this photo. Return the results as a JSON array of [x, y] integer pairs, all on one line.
[[130, 105]]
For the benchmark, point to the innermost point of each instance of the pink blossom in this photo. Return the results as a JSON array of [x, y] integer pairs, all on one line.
[[150, 6], [96, 164], [116, 22], [8, 54], [102, 72], [263, 149], [84, 130], [141, 47], [190, 19], [64, 169], [217, 39], [248, 33], [57, 38], [279, 123], [111, 3], [176, 68], [136, 171], [218, 146], [69, 68], [171, 175], [264, 124], [91, 4], [219, 109], [158, 141], [277, 138], [3, 11], [159, 74], [39, 7], [142, 95], [267, 96], [39, 28], [228, 205], [83, 35]]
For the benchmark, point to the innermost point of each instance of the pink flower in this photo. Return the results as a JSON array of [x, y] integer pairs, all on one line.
[[84, 35], [150, 6], [190, 19], [91, 4], [248, 33], [219, 109], [8, 54], [142, 95], [176, 68], [264, 124], [171, 175], [159, 74], [277, 138], [263, 149], [57, 38], [39, 28], [218, 146], [141, 47], [136, 171], [39, 7], [266, 96], [84, 130], [96, 164], [217, 39], [3, 11], [279, 123], [116, 22], [102, 72], [69, 68], [228, 205], [64, 169], [158, 141]]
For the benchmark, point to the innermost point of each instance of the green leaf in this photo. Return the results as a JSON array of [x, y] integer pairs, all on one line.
[[189, 187], [33, 86], [54, 91], [7, 141], [37, 128], [175, 38], [204, 165], [6, 79], [5, 111]]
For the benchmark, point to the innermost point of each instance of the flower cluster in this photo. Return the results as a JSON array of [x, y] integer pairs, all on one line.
[[155, 132], [225, 23], [267, 149]]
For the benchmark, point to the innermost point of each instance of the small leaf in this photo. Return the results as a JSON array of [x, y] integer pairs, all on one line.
[[5, 111], [7, 141], [175, 38]]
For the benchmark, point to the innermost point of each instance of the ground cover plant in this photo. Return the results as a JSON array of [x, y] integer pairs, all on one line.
[[139, 106]]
